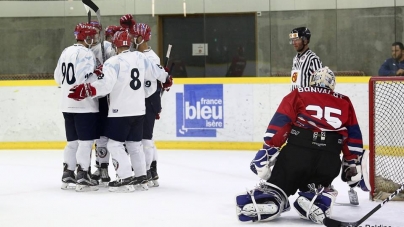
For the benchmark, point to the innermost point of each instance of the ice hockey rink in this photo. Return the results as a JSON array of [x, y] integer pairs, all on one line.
[[197, 188]]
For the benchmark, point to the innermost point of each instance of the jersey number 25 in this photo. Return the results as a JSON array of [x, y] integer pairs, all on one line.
[[326, 113]]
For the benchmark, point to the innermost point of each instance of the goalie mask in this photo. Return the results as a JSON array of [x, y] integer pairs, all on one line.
[[85, 33], [323, 77]]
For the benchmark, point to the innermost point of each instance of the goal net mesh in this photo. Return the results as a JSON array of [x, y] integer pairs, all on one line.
[[387, 135]]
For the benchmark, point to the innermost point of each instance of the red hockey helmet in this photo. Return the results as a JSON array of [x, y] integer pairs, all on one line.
[[112, 29], [121, 38], [82, 32], [95, 24], [142, 29]]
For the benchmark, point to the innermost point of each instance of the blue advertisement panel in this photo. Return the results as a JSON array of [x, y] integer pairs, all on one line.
[[199, 110]]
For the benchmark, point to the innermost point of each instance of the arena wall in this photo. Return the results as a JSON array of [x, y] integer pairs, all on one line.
[[205, 113]]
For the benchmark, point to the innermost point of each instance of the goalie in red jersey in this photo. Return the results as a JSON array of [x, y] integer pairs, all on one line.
[[317, 124]]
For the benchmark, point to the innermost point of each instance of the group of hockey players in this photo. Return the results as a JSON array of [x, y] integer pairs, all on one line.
[[110, 98], [302, 146]]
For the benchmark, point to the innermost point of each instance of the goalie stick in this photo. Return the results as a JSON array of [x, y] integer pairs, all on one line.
[[97, 11], [329, 222]]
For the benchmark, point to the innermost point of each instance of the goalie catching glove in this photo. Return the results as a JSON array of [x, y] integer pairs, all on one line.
[[263, 161], [355, 172], [82, 91]]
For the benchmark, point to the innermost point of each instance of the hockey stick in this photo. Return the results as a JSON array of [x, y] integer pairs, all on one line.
[[168, 54], [88, 13], [97, 11], [166, 64], [335, 223]]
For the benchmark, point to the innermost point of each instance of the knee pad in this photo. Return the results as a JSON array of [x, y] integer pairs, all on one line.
[[264, 203], [314, 205]]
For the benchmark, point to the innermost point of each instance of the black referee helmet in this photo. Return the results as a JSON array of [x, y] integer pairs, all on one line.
[[301, 33]]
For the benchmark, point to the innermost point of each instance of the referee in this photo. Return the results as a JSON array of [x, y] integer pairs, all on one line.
[[306, 62]]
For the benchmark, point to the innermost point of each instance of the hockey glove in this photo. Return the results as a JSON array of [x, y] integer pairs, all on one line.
[[356, 174], [98, 72], [168, 83], [263, 161], [82, 91], [127, 21]]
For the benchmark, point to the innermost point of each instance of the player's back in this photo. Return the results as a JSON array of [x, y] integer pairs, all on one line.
[[322, 109], [127, 97], [75, 66]]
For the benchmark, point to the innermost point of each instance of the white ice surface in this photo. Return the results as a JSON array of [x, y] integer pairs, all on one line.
[[197, 188]]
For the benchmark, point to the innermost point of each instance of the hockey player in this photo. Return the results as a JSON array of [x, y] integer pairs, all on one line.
[[76, 66], [142, 34], [306, 62], [102, 155], [318, 124], [110, 31], [124, 79]]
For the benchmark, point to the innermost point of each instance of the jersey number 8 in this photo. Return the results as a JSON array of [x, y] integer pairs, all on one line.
[[135, 83]]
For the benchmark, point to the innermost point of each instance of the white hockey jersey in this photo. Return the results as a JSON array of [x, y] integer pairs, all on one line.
[[109, 52], [151, 86], [76, 66], [124, 80]]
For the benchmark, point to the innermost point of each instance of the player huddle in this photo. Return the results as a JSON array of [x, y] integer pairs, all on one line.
[[110, 96]]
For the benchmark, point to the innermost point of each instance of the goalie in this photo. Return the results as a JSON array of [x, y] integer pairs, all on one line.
[[318, 124]]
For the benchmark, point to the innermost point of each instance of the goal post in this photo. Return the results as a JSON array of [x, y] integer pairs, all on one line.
[[386, 136]]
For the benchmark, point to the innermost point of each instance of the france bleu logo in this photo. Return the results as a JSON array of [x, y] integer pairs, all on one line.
[[199, 110]]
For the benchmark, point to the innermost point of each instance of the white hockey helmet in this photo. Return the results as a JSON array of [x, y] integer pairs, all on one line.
[[323, 77]]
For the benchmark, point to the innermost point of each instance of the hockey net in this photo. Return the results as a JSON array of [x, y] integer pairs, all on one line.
[[386, 136]]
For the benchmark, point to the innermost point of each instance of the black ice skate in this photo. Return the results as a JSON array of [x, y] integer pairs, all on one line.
[[101, 174], [68, 178], [140, 183], [121, 185], [84, 182], [154, 175], [97, 174]]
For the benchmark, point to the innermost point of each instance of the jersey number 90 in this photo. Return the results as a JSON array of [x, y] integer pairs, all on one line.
[[68, 73]]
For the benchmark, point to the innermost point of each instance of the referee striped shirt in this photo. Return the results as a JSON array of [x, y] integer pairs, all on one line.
[[304, 65]]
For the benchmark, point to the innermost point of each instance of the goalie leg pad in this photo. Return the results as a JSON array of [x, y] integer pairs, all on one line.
[[314, 205], [261, 204]]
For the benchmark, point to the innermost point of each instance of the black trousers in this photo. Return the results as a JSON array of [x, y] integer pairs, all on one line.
[[298, 166]]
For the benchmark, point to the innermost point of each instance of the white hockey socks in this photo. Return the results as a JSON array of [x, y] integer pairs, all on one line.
[[120, 159], [69, 154], [83, 155], [102, 152], [137, 157], [148, 149]]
